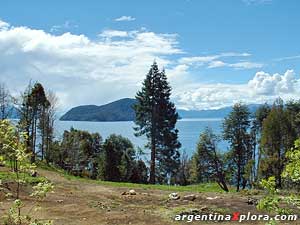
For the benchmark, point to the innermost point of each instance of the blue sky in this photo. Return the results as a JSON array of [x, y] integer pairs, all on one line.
[[215, 52]]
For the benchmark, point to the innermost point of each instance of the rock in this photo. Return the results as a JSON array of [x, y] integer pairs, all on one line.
[[212, 198], [204, 208], [34, 174], [132, 192], [195, 211], [174, 196], [252, 201], [189, 197]]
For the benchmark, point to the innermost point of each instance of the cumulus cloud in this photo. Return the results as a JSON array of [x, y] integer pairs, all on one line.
[[276, 84], [81, 70], [125, 18], [263, 87]]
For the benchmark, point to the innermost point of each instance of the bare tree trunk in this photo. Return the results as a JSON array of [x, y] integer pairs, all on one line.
[[152, 163], [238, 178]]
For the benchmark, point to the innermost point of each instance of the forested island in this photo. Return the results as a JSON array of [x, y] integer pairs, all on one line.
[[122, 110]]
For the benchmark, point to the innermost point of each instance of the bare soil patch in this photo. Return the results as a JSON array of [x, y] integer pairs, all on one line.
[[86, 203]]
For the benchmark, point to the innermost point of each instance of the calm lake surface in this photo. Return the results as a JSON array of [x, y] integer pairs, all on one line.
[[189, 131]]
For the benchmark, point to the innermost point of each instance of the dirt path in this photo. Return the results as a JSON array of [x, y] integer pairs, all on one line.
[[87, 203]]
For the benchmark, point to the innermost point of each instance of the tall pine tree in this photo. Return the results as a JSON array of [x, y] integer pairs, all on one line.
[[156, 118]]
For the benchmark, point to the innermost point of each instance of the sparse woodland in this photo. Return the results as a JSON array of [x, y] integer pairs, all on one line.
[[263, 148]]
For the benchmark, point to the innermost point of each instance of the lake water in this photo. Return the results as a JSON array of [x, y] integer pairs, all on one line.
[[189, 131]]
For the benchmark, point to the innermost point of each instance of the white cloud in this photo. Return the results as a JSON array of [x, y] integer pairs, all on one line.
[[81, 70], [276, 84], [67, 25], [245, 65], [263, 87], [210, 58], [288, 58], [3, 25], [114, 33], [125, 18], [217, 63], [213, 61], [85, 71]]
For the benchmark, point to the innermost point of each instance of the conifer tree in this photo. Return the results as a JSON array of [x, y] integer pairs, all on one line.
[[34, 104], [156, 118]]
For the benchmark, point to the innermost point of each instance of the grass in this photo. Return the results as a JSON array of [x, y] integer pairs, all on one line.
[[206, 187], [7, 176]]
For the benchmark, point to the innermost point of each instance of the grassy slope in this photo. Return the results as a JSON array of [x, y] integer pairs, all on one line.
[[7, 176], [207, 187]]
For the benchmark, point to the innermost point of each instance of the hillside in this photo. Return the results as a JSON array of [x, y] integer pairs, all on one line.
[[122, 110], [212, 113], [88, 202]]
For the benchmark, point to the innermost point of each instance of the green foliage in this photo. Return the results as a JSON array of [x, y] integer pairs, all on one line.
[[156, 118], [203, 187], [36, 120], [292, 168], [277, 137], [236, 130], [207, 162], [14, 150], [274, 202], [41, 190], [117, 159], [78, 152], [26, 177]]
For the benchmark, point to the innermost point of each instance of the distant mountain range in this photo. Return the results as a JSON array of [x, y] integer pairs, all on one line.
[[122, 110]]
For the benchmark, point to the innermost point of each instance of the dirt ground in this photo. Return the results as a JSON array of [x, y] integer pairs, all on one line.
[[86, 203]]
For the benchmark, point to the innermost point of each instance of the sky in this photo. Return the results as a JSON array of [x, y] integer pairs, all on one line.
[[215, 53]]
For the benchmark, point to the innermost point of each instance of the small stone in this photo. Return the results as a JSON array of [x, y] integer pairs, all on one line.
[[252, 201], [203, 208], [132, 192], [174, 196], [189, 197], [34, 174], [212, 198]]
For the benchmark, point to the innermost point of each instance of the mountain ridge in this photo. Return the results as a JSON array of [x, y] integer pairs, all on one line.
[[122, 110]]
